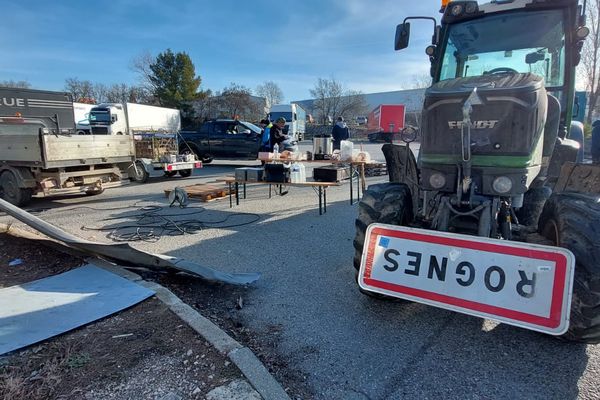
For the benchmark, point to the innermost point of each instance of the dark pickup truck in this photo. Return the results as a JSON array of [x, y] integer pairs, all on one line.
[[224, 139]]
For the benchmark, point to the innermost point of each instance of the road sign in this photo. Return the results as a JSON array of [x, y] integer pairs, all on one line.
[[522, 284]]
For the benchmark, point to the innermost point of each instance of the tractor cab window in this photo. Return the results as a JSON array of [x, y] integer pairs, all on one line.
[[518, 42]]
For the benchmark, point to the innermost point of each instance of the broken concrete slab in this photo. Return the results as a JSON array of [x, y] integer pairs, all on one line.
[[235, 390]]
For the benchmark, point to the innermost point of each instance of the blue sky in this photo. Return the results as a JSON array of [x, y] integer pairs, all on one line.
[[289, 42]]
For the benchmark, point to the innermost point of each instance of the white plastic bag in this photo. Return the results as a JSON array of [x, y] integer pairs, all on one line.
[[346, 148]]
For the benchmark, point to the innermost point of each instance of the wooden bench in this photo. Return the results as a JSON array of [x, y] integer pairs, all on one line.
[[320, 187]]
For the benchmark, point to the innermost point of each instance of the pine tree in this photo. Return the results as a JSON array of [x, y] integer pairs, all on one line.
[[174, 80]]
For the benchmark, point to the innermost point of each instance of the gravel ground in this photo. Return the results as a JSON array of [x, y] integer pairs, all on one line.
[[342, 344]]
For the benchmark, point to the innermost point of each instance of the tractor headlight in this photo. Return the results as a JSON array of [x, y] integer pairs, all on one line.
[[502, 184], [456, 10], [437, 180]]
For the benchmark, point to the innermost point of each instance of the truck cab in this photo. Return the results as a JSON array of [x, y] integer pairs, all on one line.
[[295, 119], [108, 119]]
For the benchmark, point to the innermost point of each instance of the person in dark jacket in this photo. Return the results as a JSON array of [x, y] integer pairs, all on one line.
[[340, 132], [596, 142], [277, 135]]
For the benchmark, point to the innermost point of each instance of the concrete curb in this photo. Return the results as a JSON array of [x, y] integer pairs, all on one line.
[[252, 368]]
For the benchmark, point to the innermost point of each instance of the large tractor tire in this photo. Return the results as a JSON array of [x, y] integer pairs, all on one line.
[[386, 203], [533, 205], [572, 221]]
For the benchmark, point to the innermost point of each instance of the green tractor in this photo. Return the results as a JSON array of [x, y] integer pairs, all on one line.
[[495, 162]]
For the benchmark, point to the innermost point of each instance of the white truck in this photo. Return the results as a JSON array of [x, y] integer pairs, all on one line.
[[295, 117], [155, 133], [40, 152], [81, 113]]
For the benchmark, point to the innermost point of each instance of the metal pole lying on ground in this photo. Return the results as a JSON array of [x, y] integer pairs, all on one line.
[[124, 254]]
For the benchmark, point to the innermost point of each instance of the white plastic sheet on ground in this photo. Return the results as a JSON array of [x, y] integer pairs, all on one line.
[[41, 309]]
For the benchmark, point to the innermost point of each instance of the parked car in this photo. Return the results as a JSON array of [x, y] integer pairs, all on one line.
[[225, 139], [361, 120]]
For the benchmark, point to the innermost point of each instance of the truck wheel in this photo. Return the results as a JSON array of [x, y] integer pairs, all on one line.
[[139, 174], [95, 191], [10, 190], [572, 220], [533, 204], [170, 174], [387, 203], [185, 172]]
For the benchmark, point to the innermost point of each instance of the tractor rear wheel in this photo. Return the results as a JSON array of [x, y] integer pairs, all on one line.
[[572, 220], [386, 203]]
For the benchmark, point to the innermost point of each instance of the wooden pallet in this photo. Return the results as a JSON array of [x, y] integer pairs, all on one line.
[[204, 192]]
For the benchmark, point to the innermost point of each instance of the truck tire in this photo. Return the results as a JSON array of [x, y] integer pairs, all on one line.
[[139, 174], [572, 221], [10, 190], [185, 173], [170, 174], [95, 191], [387, 203], [533, 204]]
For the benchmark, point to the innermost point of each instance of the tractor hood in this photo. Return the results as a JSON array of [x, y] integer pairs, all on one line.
[[505, 129]]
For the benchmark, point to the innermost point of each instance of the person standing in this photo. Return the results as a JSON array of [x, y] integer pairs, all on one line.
[[340, 132], [277, 135], [266, 125]]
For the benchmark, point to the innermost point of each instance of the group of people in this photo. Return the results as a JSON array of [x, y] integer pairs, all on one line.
[[273, 133]]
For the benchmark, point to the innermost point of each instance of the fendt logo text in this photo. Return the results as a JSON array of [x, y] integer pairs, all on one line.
[[485, 124]]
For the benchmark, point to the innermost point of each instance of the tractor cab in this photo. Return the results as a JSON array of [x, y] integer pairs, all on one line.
[[503, 82]]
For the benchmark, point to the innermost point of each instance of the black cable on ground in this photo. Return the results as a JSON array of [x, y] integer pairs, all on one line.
[[150, 225]]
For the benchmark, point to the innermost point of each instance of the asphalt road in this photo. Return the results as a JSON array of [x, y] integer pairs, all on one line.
[[347, 345]]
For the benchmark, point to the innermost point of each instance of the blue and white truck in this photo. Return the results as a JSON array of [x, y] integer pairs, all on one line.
[[295, 119]]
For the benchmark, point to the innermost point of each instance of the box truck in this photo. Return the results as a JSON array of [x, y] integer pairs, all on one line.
[[385, 121], [155, 133], [295, 119], [41, 153]]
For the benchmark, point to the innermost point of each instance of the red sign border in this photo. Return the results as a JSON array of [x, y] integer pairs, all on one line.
[[558, 292]]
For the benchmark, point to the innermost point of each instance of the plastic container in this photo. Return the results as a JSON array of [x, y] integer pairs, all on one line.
[[302, 172], [295, 173], [276, 151], [346, 149]]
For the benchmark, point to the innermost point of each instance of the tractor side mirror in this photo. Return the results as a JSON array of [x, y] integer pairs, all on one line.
[[402, 36]]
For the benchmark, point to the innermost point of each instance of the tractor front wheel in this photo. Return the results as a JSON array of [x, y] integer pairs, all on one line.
[[386, 203], [572, 221]]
